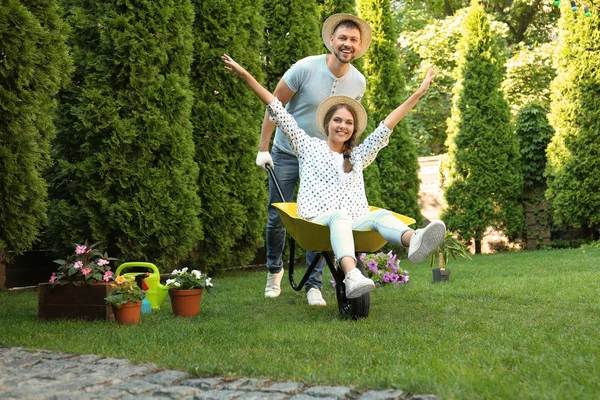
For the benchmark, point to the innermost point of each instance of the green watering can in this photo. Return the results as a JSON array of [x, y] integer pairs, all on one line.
[[156, 292]]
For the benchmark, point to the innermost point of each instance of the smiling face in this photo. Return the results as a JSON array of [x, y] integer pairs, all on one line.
[[341, 126], [345, 43]]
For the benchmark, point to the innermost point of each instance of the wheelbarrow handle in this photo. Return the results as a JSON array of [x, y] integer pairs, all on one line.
[[272, 175]]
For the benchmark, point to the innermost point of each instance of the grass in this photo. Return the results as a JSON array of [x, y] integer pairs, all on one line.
[[506, 326]]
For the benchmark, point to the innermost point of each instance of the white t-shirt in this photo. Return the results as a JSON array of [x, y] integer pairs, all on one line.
[[339, 159]]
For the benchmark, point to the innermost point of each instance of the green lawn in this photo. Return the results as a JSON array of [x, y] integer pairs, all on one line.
[[507, 326]]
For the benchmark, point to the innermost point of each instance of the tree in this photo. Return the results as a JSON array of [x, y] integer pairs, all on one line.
[[483, 182], [574, 152], [434, 45], [429, 35], [292, 32], [34, 65], [528, 75], [227, 119], [125, 173], [528, 21], [330, 7], [396, 169]]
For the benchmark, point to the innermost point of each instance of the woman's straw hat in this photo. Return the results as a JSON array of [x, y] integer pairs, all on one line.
[[332, 22], [359, 110]]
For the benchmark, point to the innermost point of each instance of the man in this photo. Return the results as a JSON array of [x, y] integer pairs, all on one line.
[[302, 88]]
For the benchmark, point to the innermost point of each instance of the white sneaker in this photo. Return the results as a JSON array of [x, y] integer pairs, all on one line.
[[315, 298], [273, 288], [357, 284], [425, 240]]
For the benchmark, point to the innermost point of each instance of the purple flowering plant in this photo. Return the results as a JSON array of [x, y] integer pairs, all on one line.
[[86, 265], [384, 268]]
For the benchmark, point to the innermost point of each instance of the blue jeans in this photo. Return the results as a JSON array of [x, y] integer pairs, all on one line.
[[287, 173], [341, 225]]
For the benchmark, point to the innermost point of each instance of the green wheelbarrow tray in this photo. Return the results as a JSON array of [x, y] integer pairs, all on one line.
[[156, 292]]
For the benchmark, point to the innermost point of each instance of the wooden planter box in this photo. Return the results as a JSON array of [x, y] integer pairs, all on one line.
[[82, 302]]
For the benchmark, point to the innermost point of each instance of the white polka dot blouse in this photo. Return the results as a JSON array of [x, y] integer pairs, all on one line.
[[322, 187]]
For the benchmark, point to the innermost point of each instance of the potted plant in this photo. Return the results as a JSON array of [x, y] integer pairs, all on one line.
[[451, 247], [78, 288], [185, 290], [384, 268], [126, 300]]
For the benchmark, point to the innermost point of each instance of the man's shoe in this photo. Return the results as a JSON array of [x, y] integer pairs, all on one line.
[[357, 284], [425, 240], [273, 288], [315, 298]]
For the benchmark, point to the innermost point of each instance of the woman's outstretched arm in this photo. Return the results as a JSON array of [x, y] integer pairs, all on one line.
[[263, 94], [396, 116]]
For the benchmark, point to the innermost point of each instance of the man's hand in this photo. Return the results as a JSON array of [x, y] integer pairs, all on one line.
[[263, 158]]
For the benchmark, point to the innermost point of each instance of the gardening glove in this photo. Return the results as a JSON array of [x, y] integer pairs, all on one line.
[[263, 158]]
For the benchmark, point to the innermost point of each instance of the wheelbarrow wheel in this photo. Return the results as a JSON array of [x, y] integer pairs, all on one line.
[[353, 308]]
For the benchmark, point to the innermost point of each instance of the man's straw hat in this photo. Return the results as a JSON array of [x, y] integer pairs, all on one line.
[[359, 110], [332, 22]]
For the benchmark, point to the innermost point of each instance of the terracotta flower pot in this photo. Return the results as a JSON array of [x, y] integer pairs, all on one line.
[[129, 313], [186, 303]]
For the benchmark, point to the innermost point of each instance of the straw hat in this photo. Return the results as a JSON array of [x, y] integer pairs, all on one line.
[[332, 22], [359, 110]]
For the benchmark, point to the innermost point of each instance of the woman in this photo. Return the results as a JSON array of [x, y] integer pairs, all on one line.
[[332, 189]]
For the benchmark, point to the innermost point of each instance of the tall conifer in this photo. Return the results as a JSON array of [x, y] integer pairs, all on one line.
[[574, 152], [484, 178], [34, 64], [330, 7], [227, 118], [292, 32], [125, 172]]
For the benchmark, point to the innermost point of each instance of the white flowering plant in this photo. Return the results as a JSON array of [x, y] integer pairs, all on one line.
[[183, 279], [384, 268]]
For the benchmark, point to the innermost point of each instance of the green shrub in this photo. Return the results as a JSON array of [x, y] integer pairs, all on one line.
[[227, 118], [125, 173], [34, 65]]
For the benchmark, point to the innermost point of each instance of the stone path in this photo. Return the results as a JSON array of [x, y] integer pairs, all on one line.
[[47, 375]]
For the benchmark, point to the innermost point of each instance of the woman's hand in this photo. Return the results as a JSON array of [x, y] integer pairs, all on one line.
[[232, 66], [263, 94], [426, 82], [396, 116]]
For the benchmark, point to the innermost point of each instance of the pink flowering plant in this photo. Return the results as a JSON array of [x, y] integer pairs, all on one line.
[[86, 265], [384, 268]]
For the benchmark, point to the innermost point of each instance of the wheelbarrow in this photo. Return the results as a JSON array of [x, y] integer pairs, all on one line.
[[314, 237]]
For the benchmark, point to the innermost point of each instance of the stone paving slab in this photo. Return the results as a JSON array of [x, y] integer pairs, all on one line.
[[46, 375]]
